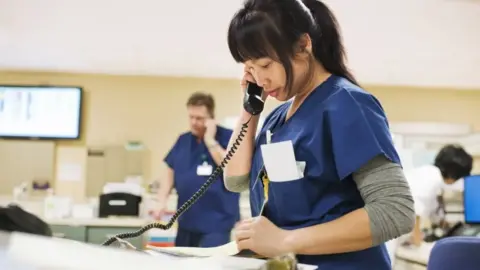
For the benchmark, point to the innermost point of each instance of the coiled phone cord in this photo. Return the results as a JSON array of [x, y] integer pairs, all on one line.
[[200, 192]]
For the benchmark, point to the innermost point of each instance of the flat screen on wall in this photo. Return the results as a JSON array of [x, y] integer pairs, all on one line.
[[40, 112]]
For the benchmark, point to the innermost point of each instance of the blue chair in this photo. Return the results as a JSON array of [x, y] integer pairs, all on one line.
[[455, 253]]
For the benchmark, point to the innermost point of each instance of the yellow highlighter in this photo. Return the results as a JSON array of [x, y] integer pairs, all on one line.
[[265, 182], [265, 179]]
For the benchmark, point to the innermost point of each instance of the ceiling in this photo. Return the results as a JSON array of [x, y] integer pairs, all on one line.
[[424, 43]]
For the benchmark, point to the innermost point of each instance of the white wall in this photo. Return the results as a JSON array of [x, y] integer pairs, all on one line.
[[413, 42], [420, 42]]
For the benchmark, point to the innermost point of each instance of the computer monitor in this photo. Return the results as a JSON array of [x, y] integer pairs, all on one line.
[[471, 199], [40, 112]]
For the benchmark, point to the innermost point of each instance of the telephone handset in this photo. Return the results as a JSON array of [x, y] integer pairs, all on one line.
[[253, 104]]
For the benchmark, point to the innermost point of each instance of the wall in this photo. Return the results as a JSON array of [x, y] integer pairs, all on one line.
[[427, 42], [152, 109], [429, 104]]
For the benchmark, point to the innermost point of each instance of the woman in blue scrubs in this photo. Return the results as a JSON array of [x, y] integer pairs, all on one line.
[[350, 195]]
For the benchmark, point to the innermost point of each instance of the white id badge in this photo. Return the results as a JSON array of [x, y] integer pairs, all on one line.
[[205, 169]]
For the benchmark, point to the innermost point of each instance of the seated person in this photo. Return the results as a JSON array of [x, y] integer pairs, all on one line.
[[427, 184]]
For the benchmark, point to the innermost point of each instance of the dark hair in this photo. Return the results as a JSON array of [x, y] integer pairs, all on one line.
[[202, 99], [454, 162], [273, 28]]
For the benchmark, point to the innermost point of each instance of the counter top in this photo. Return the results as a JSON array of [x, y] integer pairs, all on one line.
[[100, 222]]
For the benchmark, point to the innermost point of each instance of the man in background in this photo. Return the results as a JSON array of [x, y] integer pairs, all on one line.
[[191, 160]]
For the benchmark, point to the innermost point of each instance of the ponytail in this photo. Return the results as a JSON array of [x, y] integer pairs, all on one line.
[[327, 41]]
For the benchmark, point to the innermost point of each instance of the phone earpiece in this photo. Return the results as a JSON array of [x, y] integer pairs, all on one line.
[[253, 102]]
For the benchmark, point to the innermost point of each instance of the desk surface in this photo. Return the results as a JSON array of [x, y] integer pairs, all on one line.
[[417, 255], [36, 251]]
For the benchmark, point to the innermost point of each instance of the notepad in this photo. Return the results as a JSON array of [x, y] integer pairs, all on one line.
[[228, 249]]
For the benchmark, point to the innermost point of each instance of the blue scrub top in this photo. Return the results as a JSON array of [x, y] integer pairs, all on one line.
[[218, 210], [338, 129]]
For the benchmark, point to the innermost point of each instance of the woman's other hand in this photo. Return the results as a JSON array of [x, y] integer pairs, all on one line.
[[261, 236]]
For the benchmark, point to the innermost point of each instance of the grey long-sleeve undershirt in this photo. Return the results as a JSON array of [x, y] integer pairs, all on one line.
[[386, 194], [387, 198]]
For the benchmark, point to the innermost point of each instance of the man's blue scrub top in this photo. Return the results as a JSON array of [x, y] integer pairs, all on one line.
[[218, 210], [337, 130]]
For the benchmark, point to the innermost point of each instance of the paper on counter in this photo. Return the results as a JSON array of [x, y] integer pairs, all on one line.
[[239, 263], [224, 262], [229, 249]]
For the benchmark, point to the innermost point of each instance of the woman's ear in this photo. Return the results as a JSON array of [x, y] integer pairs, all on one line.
[[304, 46]]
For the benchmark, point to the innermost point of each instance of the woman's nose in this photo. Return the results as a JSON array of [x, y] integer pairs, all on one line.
[[259, 78]]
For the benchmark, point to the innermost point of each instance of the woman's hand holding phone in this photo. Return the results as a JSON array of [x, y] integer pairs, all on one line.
[[248, 78]]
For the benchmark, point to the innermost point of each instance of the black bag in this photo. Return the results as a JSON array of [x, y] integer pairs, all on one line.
[[14, 219]]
